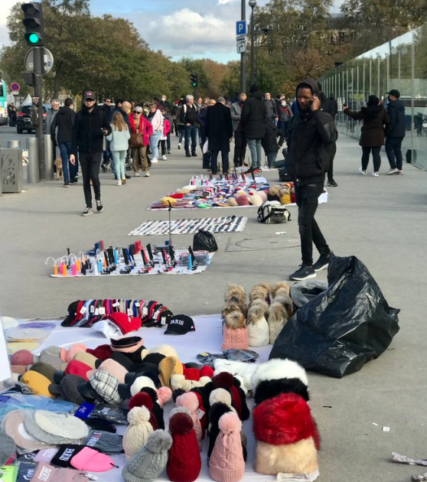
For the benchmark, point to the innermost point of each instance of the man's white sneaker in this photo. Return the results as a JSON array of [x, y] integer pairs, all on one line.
[[164, 158], [154, 160], [179, 145], [362, 171], [392, 171], [375, 174]]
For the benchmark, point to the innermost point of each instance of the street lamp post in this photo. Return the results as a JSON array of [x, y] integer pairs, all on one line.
[[243, 56], [252, 4]]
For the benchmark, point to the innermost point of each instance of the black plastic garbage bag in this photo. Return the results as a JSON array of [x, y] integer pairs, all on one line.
[[204, 241], [304, 291], [340, 330]]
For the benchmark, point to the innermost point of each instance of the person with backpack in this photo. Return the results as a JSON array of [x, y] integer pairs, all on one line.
[[374, 118], [119, 144], [269, 142], [312, 138], [90, 127]]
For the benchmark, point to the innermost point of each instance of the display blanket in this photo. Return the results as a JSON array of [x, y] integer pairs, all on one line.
[[225, 192], [206, 338], [131, 261], [226, 224]]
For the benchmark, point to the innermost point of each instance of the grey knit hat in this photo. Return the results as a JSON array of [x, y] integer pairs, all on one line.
[[147, 464]]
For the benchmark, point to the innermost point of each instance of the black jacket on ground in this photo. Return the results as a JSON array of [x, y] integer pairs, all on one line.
[[374, 117], [269, 143], [64, 121], [253, 116], [311, 144], [396, 112], [189, 114], [219, 127], [87, 131]]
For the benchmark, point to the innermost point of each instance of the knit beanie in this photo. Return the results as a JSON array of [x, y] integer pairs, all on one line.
[[137, 432], [184, 464], [226, 463], [235, 338], [189, 400], [149, 462]]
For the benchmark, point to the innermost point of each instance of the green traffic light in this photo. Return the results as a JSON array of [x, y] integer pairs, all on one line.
[[194, 84], [33, 38]]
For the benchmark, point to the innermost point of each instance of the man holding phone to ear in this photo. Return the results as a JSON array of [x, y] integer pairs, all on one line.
[[312, 139], [90, 128]]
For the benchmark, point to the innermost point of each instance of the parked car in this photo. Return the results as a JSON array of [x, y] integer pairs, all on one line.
[[23, 120]]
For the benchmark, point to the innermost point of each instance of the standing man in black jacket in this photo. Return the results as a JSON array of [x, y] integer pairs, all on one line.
[[312, 139], [188, 117], [331, 107], [395, 132], [61, 130], [90, 127]]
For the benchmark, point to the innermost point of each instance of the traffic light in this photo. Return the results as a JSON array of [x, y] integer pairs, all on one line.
[[33, 22], [194, 80]]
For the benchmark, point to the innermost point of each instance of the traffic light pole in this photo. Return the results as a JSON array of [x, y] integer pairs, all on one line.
[[38, 92]]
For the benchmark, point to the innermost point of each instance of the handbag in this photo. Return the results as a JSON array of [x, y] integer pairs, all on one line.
[[136, 140], [272, 212]]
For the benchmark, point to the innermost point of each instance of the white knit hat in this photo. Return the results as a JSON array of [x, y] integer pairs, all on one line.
[[137, 432]]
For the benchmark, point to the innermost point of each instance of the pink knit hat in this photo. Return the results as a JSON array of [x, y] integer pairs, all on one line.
[[226, 463], [236, 338], [68, 355]]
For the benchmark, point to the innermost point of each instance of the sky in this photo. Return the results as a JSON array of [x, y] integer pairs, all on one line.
[[180, 28]]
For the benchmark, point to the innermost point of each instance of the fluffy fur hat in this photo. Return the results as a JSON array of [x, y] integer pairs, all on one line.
[[137, 432], [260, 292], [258, 330], [236, 295], [277, 319], [280, 288]]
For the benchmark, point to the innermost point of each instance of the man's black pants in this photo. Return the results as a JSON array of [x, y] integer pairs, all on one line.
[[214, 162], [307, 201], [90, 164]]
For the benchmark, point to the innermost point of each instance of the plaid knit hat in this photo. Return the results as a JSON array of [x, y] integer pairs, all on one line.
[[226, 463], [114, 368], [184, 464], [102, 386], [147, 464]]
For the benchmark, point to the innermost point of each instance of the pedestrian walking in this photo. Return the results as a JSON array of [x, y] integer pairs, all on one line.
[[50, 116], [164, 138], [374, 118], [119, 145], [269, 142], [165, 104], [156, 120], [271, 106], [90, 127], [219, 132], [61, 131], [168, 117], [312, 136], [189, 119], [141, 130], [253, 118], [201, 118], [331, 107], [395, 132], [285, 116], [240, 141]]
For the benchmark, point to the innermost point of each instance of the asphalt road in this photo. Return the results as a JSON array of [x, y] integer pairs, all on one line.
[[383, 221], [9, 134]]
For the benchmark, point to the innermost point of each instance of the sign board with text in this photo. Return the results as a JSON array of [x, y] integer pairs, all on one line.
[[241, 44]]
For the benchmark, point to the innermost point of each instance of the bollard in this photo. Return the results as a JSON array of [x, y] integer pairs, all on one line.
[[33, 174], [11, 170], [13, 144], [48, 153]]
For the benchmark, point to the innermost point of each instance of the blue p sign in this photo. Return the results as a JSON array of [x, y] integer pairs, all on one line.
[[241, 27]]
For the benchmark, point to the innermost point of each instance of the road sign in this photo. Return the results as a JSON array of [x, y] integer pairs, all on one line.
[[14, 87], [241, 27], [47, 60], [241, 44]]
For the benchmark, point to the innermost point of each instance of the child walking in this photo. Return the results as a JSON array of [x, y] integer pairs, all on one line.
[[119, 139]]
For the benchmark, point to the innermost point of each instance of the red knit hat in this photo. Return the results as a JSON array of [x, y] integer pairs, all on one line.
[[284, 420], [184, 464], [192, 374], [206, 371], [76, 367], [102, 352]]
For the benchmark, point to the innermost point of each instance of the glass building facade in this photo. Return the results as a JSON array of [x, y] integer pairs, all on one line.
[[398, 64]]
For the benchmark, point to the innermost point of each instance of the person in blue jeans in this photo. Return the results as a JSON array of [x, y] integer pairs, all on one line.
[[119, 145], [189, 115], [61, 129]]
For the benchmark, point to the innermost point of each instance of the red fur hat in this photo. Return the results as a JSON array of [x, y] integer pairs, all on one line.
[[192, 374], [206, 371], [283, 420]]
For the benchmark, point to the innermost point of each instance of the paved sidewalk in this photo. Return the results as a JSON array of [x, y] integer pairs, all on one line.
[[381, 220]]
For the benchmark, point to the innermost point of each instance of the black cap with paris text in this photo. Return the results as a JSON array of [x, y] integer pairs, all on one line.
[[180, 325]]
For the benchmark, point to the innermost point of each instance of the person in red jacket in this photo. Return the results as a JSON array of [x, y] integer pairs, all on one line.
[[139, 124]]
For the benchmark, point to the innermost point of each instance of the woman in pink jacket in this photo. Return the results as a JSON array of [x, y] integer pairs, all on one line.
[[139, 124], [156, 118]]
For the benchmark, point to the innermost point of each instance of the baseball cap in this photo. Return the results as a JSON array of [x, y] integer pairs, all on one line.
[[180, 325], [89, 94], [394, 93]]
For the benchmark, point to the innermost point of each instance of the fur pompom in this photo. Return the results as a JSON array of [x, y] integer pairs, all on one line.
[[180, 424], [164, 395], [188, 400], [233, 317], [206, 371], [220, 395], [204, 381], [277, 319], [229, 423], [138, 415], [140, 383], [159, 441], [281, 286], [166, 350], [257, 311], [141, 399], [223, 380]]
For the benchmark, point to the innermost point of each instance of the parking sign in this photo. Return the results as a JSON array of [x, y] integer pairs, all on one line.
[[241, 27]]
